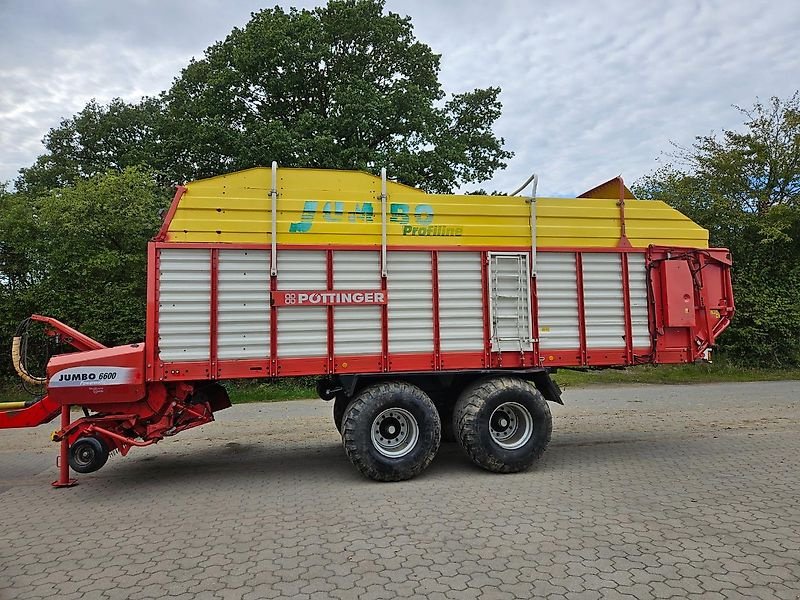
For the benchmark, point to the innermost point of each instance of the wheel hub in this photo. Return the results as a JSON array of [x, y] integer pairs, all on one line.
[[85, 455], [511, 425], [394, 432]]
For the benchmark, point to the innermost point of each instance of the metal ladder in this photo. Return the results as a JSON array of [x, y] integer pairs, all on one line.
[[517, 271]]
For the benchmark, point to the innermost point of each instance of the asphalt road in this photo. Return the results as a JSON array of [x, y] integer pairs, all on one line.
[[645, 492]]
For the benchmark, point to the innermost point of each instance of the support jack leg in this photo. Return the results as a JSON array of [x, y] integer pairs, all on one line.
[[63, 455]]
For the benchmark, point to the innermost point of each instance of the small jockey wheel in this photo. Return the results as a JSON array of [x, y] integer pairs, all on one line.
[[87, 454]]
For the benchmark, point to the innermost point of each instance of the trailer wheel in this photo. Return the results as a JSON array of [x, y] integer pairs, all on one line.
[[503, 424], [391, 431], [327, 389], [87, 454], [339, 406]]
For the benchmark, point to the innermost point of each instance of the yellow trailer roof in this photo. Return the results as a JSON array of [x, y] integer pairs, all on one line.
[[328, 207]]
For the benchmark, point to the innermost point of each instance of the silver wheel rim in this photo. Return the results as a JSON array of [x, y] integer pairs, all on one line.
[[394, 432], [511, 425]]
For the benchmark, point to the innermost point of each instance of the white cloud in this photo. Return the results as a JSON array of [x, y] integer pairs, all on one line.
[[590, 89]]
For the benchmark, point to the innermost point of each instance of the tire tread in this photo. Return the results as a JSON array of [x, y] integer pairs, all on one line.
[[465, 422]]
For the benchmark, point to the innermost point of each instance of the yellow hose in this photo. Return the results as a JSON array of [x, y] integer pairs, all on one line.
[[12, 405], [19, 367]]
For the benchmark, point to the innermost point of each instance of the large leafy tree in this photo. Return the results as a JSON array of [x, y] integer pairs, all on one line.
[[341, 86], [97, 139], [744, 186], [78, 253]]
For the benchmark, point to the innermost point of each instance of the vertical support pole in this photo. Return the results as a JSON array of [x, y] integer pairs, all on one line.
[[214, 316], [534, 316], [623, 239], [581, 307], [437, 342], [384, 328], [273, 257], [383, 222], [626, 298], [273, 329], [384, 274], [533, 298], [533, 225], [151, 319], [273, 273], [487, 336], [329, 276], [63, 455]]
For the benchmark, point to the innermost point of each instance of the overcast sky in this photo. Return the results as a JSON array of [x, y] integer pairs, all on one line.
[[591, 89]]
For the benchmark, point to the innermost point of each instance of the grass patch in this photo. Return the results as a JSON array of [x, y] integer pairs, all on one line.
[[718, 372], [287, 388]]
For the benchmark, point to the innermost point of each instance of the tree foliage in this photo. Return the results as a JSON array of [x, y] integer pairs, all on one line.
[[96, 140], [744, 187], [78, 253], [341, 86], [346, 86]]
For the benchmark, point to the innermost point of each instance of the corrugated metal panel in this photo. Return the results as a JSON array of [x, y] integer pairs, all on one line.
[[243, 304], [356, 329], [302, 331], [637, 281], [460, 301], [184, 305], [603, 300], [557, 293], [410, 302], [509, 289]]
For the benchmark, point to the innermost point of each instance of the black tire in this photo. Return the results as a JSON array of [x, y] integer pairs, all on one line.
[[475, 409], [391, 402], [326, 389], [339, 406], [87, 454], [214, 394]]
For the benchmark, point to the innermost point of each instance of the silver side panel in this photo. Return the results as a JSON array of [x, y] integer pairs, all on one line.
[[637, 282], [302, 331], [410, 302], [356, 329], [243, 317], [603, 300], [460, 301], [557, 291], [184, 305]]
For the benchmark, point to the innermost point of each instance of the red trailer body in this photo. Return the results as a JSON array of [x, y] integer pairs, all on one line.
[[394, 318]]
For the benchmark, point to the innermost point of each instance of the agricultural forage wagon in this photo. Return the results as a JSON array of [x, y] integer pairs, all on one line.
[[423, 315]]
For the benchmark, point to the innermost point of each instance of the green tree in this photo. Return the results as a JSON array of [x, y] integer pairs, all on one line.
[[341, 86], [78, 253], [744, 187], [94, 141]]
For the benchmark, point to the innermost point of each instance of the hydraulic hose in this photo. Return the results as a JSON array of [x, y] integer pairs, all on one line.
[[16, 356]]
